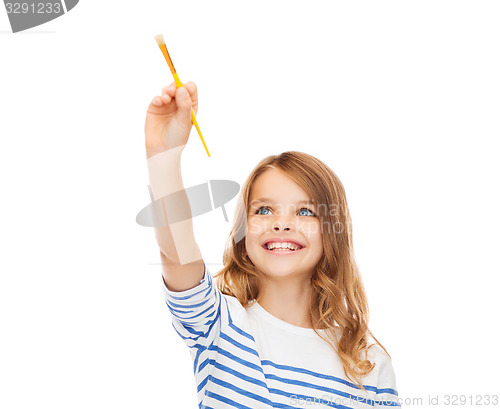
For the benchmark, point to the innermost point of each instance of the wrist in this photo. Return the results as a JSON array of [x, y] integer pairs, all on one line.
[[153, 151], [164, 170]]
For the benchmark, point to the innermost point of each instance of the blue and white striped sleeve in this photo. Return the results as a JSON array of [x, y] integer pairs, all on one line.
[[195, 312], [387, 393]]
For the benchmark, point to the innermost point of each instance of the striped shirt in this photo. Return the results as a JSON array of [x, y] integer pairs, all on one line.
[[247, 358]]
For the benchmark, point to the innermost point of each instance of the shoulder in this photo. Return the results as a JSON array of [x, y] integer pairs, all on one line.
[[376, 354], [379, 357], [383, 371], [232, 308], [232, 302]]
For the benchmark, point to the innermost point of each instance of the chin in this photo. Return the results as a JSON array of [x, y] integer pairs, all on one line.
[[273, 270]]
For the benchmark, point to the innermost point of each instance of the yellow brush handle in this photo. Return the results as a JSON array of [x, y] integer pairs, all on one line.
[[178, 84], [193, 118]]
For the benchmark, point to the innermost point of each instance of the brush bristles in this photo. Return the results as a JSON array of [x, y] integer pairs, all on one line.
[[160, 40]]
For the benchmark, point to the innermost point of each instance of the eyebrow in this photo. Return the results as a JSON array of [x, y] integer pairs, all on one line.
[[266, 200]]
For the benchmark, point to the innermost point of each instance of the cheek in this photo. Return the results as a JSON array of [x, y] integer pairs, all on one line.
[[310, 229], [256, 226]]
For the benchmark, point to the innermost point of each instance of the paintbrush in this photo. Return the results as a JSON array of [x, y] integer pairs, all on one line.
[[161, 42]]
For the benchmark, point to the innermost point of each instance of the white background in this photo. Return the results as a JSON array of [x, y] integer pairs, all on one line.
[[400, 99]]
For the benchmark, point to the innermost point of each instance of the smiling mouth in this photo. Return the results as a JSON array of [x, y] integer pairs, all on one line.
[[281, 251]]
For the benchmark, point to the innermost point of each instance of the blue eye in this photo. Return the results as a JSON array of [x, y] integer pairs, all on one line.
[[304, 208], [263, 207]]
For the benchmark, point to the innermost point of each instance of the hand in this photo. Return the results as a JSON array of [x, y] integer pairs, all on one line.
[[168, 119]]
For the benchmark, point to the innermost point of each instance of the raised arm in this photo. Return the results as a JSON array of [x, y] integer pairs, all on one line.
[[168, 124]]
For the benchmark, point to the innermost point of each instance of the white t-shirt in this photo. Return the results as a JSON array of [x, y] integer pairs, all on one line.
[[248, 358]]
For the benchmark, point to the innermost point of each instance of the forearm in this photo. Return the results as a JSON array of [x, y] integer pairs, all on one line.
[[176, 240]]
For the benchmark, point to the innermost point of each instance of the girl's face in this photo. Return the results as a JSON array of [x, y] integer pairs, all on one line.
[[281, 211]]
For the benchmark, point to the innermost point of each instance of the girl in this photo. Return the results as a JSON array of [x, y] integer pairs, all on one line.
[[286, 324]]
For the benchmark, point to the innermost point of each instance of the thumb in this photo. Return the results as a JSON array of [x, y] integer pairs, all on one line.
[[184, 104]]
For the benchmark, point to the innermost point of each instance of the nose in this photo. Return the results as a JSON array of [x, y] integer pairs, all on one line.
[[277, 226]]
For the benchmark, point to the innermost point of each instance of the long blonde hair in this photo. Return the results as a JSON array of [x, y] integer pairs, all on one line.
[[338, 299]]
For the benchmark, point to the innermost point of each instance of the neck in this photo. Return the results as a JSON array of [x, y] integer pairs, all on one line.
[[287, 299]]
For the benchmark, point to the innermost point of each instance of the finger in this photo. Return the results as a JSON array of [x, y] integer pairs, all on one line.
[[169, 90], [169, 86], [184, 103], [192, 89], [166, 98], [157, 101], [193, 92]]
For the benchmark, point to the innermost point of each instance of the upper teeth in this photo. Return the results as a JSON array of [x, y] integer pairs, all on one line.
[[273, 245]]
